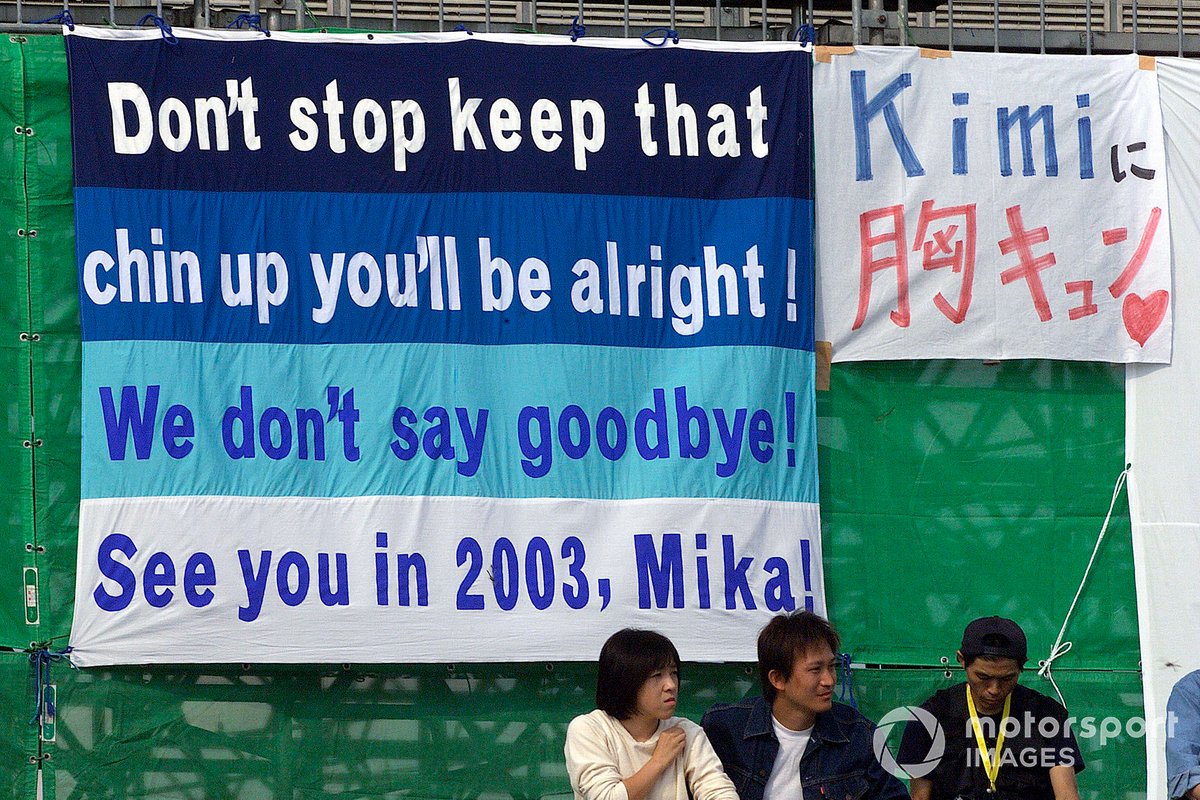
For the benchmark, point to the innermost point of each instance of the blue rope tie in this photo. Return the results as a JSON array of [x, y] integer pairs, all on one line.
[[460, 28], [64, 17], [576, 30], [667, 34], [41, 656], [167, 35], [846, 685], [251, 21], [806, 34]]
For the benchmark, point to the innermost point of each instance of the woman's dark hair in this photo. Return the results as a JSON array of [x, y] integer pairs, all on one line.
[[628, 658], [785, 638]]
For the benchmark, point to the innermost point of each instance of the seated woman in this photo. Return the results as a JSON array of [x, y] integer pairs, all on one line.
[[632, 747]]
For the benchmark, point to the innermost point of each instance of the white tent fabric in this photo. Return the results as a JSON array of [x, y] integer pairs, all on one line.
[[1162, 440]]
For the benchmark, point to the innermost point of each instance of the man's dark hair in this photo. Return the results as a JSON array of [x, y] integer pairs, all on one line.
[[628, 658], [787, 637]]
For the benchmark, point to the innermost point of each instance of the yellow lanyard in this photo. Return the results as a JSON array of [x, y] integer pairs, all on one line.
[[989, 769]]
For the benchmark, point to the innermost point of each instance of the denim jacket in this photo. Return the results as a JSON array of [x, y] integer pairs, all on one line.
[[838, 764], [1183, 736]]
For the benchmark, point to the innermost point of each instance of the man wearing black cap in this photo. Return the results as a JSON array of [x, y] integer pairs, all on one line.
[[1002, 740]]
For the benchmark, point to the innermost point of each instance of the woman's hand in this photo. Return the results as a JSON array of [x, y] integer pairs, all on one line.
[[670, 744]]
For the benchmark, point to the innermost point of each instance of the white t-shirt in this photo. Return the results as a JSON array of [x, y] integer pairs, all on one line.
[[600, 754], [784, 783]]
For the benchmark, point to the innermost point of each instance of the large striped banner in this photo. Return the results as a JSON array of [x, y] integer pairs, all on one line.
[[409, 348]]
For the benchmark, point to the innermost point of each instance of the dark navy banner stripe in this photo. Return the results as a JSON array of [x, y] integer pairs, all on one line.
[[490, 268], [267, 115]]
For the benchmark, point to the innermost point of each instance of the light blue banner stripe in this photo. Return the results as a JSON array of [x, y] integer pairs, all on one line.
[[472, 420]]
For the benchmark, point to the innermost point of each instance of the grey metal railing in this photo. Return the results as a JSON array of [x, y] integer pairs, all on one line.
[[1161, 27]]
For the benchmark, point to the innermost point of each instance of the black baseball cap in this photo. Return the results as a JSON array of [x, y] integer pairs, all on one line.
[[994, 636]]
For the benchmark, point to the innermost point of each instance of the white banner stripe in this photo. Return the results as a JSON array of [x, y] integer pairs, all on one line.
[[705, 573], [395, 37]]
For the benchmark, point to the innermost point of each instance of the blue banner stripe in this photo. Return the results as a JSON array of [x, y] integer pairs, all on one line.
[[268, 115], [495, 268], [179, 419]]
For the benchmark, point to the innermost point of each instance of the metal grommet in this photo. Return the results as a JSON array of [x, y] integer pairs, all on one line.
[[28, 547], [949, 674], [36, 337], [32, 232], [26, 443], [451, 668], [23, 336], [20, 232], [245, 667], [945, 659], [549, 666], [370, 36], [345, 667], [29, 131], [18, 130], [38, 442], [40, 548], [33, 759]]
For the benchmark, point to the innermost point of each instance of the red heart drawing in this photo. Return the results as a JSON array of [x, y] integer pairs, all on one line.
[[1142, 317]]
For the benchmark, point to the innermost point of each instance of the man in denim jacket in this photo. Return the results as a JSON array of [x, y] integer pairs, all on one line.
[[1183, 739], [794, 742]]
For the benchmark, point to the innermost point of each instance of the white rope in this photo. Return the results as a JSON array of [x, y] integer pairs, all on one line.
[[1060, 647]]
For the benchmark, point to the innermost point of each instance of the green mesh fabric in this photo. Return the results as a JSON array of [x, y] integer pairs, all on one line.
[[949, 490], [956, 489], [18, 739], [16, 448]]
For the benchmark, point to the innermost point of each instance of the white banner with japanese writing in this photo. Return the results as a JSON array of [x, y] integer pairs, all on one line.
[[979, 205], [1162, 440]]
